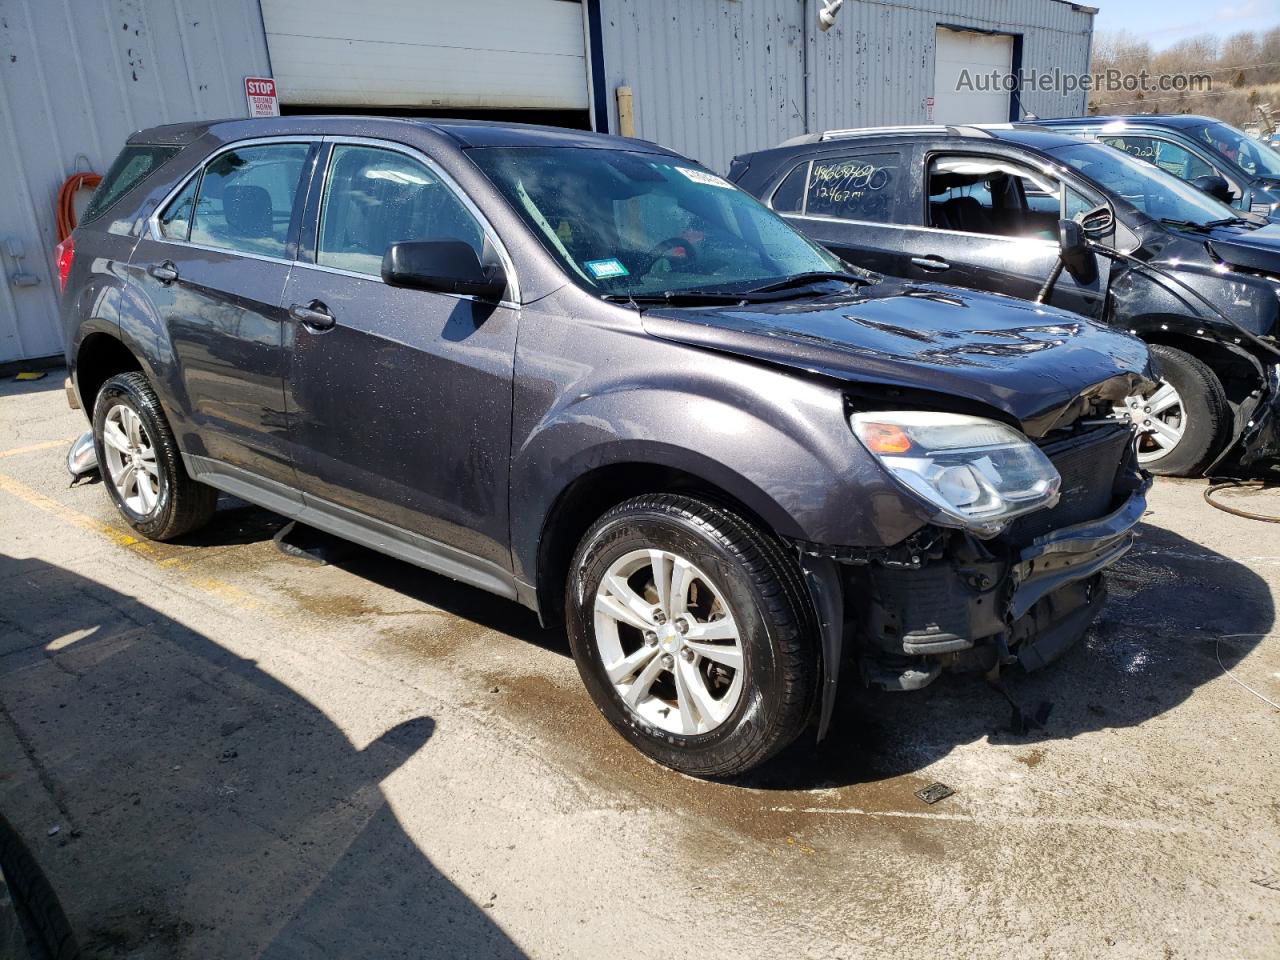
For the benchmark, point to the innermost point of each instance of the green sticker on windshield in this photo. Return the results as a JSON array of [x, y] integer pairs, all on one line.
[[607, 269]]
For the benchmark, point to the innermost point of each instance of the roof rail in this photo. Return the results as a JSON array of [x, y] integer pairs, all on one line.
[[950, 130]]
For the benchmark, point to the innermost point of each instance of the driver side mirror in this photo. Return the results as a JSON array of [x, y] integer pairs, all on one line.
[[445, 266], [1074, 252], [1216, 187]]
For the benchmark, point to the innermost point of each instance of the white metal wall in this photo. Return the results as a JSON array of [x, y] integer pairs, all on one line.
[[513, 54], [714, 78], [76, 78]]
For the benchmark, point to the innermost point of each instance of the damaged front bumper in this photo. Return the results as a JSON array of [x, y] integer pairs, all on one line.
[[1258, 445], [951, 602]]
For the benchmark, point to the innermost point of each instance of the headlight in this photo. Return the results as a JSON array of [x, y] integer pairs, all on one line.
[[978, 474]]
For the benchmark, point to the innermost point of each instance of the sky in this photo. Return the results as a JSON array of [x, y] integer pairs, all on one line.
[[1179, 19]]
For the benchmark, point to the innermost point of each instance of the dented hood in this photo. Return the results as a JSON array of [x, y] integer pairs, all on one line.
[[1254, 249], [1038, 365]]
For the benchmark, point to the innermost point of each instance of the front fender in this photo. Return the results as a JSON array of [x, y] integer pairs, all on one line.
[[777, 443]]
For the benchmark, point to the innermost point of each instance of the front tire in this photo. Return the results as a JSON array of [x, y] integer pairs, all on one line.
[[1186, 422], [140, 463], [692, 632]]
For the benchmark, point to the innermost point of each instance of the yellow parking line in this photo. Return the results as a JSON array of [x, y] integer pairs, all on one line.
[[211, 585], [34, 448]]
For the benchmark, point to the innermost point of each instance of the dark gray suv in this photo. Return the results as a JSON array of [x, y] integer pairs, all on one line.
[[590, 376]]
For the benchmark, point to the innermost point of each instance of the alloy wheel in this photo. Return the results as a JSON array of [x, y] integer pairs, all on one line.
[[131, 459], [669, 642], [1161, 420]]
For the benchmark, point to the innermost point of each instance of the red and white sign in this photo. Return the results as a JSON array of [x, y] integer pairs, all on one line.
[[260, 94]]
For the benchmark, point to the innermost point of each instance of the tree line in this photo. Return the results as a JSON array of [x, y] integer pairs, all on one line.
[[1244, 71]]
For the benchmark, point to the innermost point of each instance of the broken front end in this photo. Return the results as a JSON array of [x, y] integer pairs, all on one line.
[[966, 598]]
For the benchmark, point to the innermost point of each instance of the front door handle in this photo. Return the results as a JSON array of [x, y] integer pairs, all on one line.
[[314, 315], [165, 272], [932, 264]]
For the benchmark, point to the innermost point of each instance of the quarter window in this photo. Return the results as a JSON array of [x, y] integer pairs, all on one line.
[[789, 197], [133, 166], [246, 199], [374, 198], [854, 188]]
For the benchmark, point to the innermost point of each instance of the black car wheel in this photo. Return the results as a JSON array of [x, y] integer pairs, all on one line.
[[692, 632], [140, 463], [1186, 421]]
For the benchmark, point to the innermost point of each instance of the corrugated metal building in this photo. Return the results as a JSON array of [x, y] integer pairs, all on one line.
[[710, 78]]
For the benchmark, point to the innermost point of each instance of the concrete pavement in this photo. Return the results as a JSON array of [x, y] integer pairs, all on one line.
[[249, 755]]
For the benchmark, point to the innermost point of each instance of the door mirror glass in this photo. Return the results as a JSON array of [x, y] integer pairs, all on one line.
[[445, 266], [1097, 222], [1216, 187]]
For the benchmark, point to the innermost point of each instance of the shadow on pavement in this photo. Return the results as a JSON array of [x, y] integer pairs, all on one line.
[[1171, 599], [204, 808]]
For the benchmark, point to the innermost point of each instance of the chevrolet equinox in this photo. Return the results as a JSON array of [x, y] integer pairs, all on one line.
[[588, 375]]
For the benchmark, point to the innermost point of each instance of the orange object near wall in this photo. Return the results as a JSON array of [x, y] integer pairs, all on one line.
[[66, 208]]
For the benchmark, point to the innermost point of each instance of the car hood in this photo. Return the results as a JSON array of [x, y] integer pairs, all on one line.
[[1257, 249], [1038, 365]]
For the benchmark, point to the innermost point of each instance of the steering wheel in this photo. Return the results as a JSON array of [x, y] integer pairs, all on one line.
[[677, 251]]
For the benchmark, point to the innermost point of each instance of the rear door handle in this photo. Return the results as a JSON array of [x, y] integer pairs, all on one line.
[[165, 272], [314, 315], [932, 264]]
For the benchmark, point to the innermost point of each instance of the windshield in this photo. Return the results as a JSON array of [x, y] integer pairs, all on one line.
[[634, 224], [1254, 158], [1158, 194]]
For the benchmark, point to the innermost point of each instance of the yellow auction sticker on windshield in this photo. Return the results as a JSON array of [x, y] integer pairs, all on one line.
[[605, 269]]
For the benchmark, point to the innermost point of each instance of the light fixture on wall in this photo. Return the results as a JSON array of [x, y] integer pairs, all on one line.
[[827, 15]]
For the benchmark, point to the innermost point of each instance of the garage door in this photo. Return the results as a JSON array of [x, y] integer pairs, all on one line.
[[979, 53], [499, 54]]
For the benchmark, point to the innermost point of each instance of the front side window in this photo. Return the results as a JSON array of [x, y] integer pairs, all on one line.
[[628, 223], [246, 198], [1249, 155], [854, 188], [992, 196], [1143, 185], [374, 198]]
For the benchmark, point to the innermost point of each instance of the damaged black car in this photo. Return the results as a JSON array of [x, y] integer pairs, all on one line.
[[590, 376], [979, 207]]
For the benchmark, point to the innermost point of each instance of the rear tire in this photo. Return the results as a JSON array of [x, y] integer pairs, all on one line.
[[140, 464], [726, 675], [1204, 419]]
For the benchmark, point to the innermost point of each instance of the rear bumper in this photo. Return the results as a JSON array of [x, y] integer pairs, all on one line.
[[964, 611]]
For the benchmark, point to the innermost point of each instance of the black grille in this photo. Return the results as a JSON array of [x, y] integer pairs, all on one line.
[[1088, 461]]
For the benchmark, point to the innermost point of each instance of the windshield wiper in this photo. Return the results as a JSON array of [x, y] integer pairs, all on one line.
[[676, 298], [806, 279]]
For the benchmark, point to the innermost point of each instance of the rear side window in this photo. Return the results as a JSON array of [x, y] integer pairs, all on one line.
[[175, 222], [245, 200], [1169, 157], [133, 166], [855, 188]]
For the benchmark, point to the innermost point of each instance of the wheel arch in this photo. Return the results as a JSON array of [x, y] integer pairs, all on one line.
[[1236, 369], [583, 500], [100, 356]]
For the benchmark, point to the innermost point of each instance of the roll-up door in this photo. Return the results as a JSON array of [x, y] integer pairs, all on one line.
[[448, 54]]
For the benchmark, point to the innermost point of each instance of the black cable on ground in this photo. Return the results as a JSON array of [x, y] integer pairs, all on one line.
[[1237, 485]]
